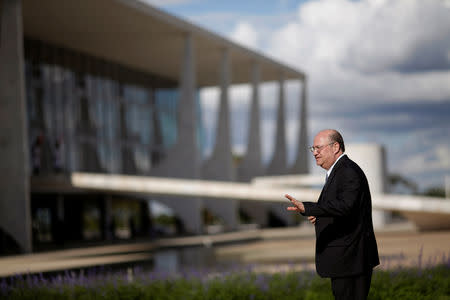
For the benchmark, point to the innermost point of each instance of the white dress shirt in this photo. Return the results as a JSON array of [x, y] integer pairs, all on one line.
[[331, 168]]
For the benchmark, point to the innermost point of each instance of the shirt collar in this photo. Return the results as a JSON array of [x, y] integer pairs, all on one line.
[[330, 169]]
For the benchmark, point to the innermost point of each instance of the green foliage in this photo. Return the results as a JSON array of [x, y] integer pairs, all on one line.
[[399, 180], [435, 191], [405, 284], [432, 283], [209, 218], [165, 220]]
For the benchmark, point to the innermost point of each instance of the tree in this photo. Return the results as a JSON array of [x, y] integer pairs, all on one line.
[[398, 180], [435, 191]]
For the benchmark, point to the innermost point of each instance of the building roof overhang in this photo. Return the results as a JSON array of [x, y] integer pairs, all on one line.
[[137, 35]]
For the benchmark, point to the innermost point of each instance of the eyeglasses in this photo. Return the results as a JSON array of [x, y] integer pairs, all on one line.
[[318, 148]]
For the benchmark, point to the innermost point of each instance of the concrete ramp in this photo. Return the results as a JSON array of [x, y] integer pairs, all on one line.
[[188, 187], [426, 212]]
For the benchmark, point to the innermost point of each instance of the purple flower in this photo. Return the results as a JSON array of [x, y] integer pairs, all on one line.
[[261, 282], [4, 288], [291, 266], [419, 260]]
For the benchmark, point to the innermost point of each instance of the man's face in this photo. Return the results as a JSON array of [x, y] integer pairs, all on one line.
[[325, 154]]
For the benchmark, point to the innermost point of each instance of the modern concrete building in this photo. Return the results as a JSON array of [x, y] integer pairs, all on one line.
[[112, 87], [372, 159]]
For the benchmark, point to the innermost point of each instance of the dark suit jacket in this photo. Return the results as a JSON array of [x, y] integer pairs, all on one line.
[[345, 241]]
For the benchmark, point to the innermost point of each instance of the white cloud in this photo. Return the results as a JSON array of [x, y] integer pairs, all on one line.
[[399, 39], [245, 34], [371, 54], [379, 51], [359, 55], [427, 162], [422, 156]]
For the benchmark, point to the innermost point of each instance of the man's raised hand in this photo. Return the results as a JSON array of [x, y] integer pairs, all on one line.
[[298, 206]]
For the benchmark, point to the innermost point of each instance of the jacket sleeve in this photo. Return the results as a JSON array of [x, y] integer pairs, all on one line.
[[342, 202]]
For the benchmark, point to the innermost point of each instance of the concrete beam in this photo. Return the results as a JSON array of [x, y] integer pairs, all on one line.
[[429, 207], [241, 191], [133, 31], [289, 180], [391, 202], [186, 188]]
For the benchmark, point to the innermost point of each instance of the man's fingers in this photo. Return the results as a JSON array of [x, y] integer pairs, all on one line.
[[289, 197], [292, 199], [292, 208], [298, 204]]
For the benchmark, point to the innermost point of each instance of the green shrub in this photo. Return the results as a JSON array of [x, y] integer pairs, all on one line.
[[413, 283]]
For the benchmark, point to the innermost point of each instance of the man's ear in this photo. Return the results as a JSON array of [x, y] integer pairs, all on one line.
[[336, 148]]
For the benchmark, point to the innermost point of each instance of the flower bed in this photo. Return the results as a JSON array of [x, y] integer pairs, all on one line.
[[412, 283]]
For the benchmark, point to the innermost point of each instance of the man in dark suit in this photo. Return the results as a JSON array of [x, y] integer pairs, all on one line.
[[346, 249]]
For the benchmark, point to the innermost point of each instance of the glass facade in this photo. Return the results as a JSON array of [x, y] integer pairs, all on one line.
[[87, 114], [166, 103], [67, 219]]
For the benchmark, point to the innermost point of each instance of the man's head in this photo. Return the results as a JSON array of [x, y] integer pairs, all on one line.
[[328, 146]]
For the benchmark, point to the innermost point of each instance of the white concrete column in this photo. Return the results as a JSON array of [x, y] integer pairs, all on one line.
[[15, 218], [187, 108], [251, 164], [371, 158], [301, 162], [183, 159], [220, 165], [188, 162], [278, 165], [223, 135], [254, 135]]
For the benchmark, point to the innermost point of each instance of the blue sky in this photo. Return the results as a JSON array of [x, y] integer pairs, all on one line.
[[254, 7], [378, 70]]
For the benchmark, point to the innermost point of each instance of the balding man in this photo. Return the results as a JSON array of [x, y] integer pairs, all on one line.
[[346, 249]]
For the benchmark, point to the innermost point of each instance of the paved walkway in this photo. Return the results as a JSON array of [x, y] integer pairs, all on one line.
[[398, 246]]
